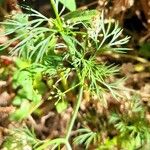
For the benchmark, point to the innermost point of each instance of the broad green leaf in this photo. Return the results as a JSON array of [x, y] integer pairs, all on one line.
[[70, 4], [20, 77], [21, 64], [17, 101], [61, 106], [39, 84], [22, 112], [36, 97], [23, 79], [26, 91], [26, 107]]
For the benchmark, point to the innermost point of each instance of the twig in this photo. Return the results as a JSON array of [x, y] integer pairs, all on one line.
[[88, 5], [137, 58]]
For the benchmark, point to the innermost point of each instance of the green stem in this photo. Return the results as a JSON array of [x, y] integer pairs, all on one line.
[[47, 143], [56, 14], [70, 89], [68, 146], [74, 116]]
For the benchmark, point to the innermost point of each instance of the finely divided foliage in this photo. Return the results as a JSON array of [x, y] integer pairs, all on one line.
[[71, 43]]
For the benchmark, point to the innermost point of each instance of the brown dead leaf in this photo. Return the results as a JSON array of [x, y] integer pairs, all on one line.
[[5, 98], [7, 110], [3, 39], [13, 5], [121, 6], [3, 83], [127, 68]]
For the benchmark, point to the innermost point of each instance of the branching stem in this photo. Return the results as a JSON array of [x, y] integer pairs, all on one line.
[[56, 14]]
